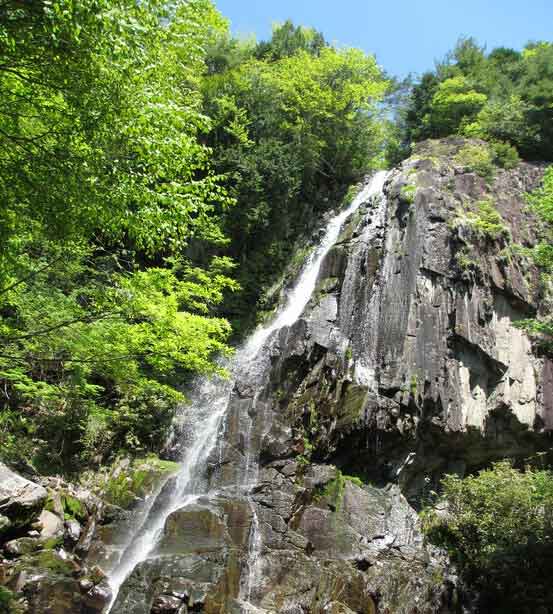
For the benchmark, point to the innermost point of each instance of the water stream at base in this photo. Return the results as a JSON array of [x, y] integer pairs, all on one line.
[[205, 417]]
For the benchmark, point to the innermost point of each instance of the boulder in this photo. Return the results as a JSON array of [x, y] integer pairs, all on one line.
[[23, 545], [168, 604], [51, 525], [20, 499], [72, 531], [97, 598]]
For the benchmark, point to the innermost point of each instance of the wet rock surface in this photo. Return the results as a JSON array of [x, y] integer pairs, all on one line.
[[409, 362], [406, 364], [54, 536]]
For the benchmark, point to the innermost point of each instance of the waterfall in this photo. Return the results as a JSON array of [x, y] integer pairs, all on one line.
[[205, 417]]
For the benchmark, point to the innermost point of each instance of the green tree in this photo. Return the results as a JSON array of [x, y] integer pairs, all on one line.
[[105, 183], [290, 134], [288, 39], [454, 102], [505, 96], [498, 528]]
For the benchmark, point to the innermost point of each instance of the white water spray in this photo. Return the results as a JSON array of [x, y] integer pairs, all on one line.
[[302, 291], [206, 415]]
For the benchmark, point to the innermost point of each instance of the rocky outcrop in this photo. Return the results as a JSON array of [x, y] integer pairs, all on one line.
[[53, 544], [406, 364], [42, 567], [308, 540], [409, 362], [20, 500]]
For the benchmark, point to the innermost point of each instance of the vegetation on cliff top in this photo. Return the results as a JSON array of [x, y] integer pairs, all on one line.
[[504, 96]]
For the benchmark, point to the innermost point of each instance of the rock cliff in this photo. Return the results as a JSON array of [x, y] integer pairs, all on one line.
[[409, 362], [406, 364]]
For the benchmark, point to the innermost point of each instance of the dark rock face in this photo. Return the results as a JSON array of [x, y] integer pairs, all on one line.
[[408, 362]]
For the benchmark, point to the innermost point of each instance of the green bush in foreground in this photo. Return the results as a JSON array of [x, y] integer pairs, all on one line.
[[497, 527]]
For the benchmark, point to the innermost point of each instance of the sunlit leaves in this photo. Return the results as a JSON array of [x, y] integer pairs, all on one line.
[[105, 181]]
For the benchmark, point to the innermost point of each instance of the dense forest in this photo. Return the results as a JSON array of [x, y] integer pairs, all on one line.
[[158, 175]]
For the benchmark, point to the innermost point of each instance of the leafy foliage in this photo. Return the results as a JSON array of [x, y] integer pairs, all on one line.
[[541, 203], [105, 182], [505, 155], [454, 102], [128, 132], [288, 39], [498, 527], [477, 158], [504, 96], [487, 222], [294, 122]]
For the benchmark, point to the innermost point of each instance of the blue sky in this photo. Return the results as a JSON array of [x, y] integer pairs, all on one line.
[[405, 35]]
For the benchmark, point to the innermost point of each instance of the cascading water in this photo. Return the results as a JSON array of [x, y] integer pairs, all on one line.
[[302, 291], [206, 414]]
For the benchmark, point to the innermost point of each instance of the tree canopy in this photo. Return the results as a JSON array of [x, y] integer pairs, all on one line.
[[294, 122], [503, 95], [105, 181]]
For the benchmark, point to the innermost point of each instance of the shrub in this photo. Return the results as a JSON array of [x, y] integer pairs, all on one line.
[[505, 155], [6, 597], [465, 260], [476, 158], [453, 101], [407, 193], [498, 528], [488, 222], [143, 417], [136, 481]]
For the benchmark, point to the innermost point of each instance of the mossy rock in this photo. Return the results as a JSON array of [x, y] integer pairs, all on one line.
[[46, 560], [407, 193], [52, 542], [23, 546], [5, 525], [139, 480], [326, 285], [354, 480], [332, 493], [351, 405], [72, 507]]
